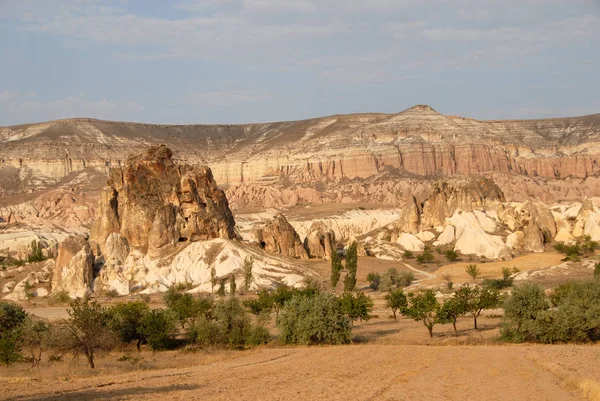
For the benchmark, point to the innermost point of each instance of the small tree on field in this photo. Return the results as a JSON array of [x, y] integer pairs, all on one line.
[[126, 321], [472, 271], [451, 255], [336, 268], [424, 307], [396, 301], [213, 278], [476, 300], [374, 279], [88, 329], [221, 290], [248, 265], [351, 266], [524, 304], [452, 309], [356, 306], [12, 318], [158, 328]]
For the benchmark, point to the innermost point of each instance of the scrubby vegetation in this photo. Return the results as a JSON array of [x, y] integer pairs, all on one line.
[[584, 247]]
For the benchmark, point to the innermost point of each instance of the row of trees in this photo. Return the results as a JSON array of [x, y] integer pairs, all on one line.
[[351, 266], [424, 306]]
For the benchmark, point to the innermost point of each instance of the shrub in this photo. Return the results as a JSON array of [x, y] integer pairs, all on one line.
[[233, 322], [451, 255], [425, 257], [112, 293], [264, 303], [389, 279], [498, 284], [126, 320], [248, 265], [36, 337], [157, 327], [336, 268], [405, 279], [396, 301], [314, 320], [472, 271], [60, 297], [374, 279], [523, 305], [206, 332], [185, 307], [258, 335], [356, 306], [232, 285], [408, 254], [597, 271]]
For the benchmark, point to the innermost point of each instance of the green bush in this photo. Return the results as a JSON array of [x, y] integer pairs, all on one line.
[[473, 271], [396, 301], [12, 318], [314, 320], [424, 307], [60, 297], [126, 321], [425, 257], [392, 278], [597, 271], [157, 327], [408, 254], [356, 306], [258, 335], [36, 254], [451, 255], [375, 280], [525, 303], [185, 307], [351, 266]]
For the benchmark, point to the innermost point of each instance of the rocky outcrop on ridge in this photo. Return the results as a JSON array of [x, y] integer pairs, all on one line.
[[279, 237]]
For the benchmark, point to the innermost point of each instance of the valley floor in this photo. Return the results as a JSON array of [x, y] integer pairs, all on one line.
[[355, 372]]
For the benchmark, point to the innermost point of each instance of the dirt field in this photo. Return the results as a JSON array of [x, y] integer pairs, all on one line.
[[355, 372]]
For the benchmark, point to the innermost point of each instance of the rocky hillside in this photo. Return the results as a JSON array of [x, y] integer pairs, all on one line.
[[367, 156]]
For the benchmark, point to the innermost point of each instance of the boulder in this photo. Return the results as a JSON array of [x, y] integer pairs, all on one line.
[[73, 271], [515, 240], [410, 242], [320, 243], [425, 236], [471, 239], [279, 237], [533, 238], [446, 237]]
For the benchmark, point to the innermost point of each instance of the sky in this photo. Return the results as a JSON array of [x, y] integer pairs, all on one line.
[[242, 61]]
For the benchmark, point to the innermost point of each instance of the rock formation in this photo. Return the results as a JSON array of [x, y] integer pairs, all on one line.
[[154, 204], [73, 271], [320, 243], [279, 237]]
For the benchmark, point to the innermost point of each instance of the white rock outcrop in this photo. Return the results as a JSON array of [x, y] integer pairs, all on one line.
[[410, 242], [446, 237], [471, 239]]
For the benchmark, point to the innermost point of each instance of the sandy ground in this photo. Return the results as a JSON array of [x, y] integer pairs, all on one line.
[[355, 372]]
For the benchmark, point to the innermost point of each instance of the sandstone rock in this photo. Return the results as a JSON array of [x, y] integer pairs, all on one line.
[[410, 242], [592, 226], [320, 243], [8, 287], [279, 237], [425, 236], [485, 221], [41, 292], [20, 292], [471, 239], [515, 240], [564, 236], [533, 239], [73, 271], [543, 217], [446, 237], [410, 219], [154, 204]]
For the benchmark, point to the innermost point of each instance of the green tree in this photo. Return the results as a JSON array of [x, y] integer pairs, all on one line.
[[525, 304], [221, 290], [356, 305], [261, 305], [597, 271], [126, 320], [36, 254], [185, 307], [451, 255], [472, 271], [426, 257], [88, 329], [248, 265], [280, 296], [452, 309], [233, 322], [476, 300], [213, 278], [424, 307], [374, 279], [232, 285], [336, 268], [158, 328], [314, 320], [12, 318], [36, 337], [396, 300], [352, 267]]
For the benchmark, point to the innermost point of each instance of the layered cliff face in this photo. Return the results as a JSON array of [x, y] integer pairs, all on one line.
[[418, 142]]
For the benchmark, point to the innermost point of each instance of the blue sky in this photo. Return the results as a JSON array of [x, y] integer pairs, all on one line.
[[236, 61]]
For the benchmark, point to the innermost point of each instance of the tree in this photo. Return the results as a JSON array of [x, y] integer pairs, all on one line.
[[248, 264], [425, 257], [126, 320], [452, 309], [36, 337], [36, 254], [525, 303], [12, 317], [472, 271], [424, 307], [88, 329], [158, 328], [233, 321], [185, 307], [336, 268], [314, 320], [374, 279], [476, 300], [213, 278], [356, 306], [221, 290], [597, 271], [281, 295], [232, 284], [352, 267], [396, 300], [264, 303]]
